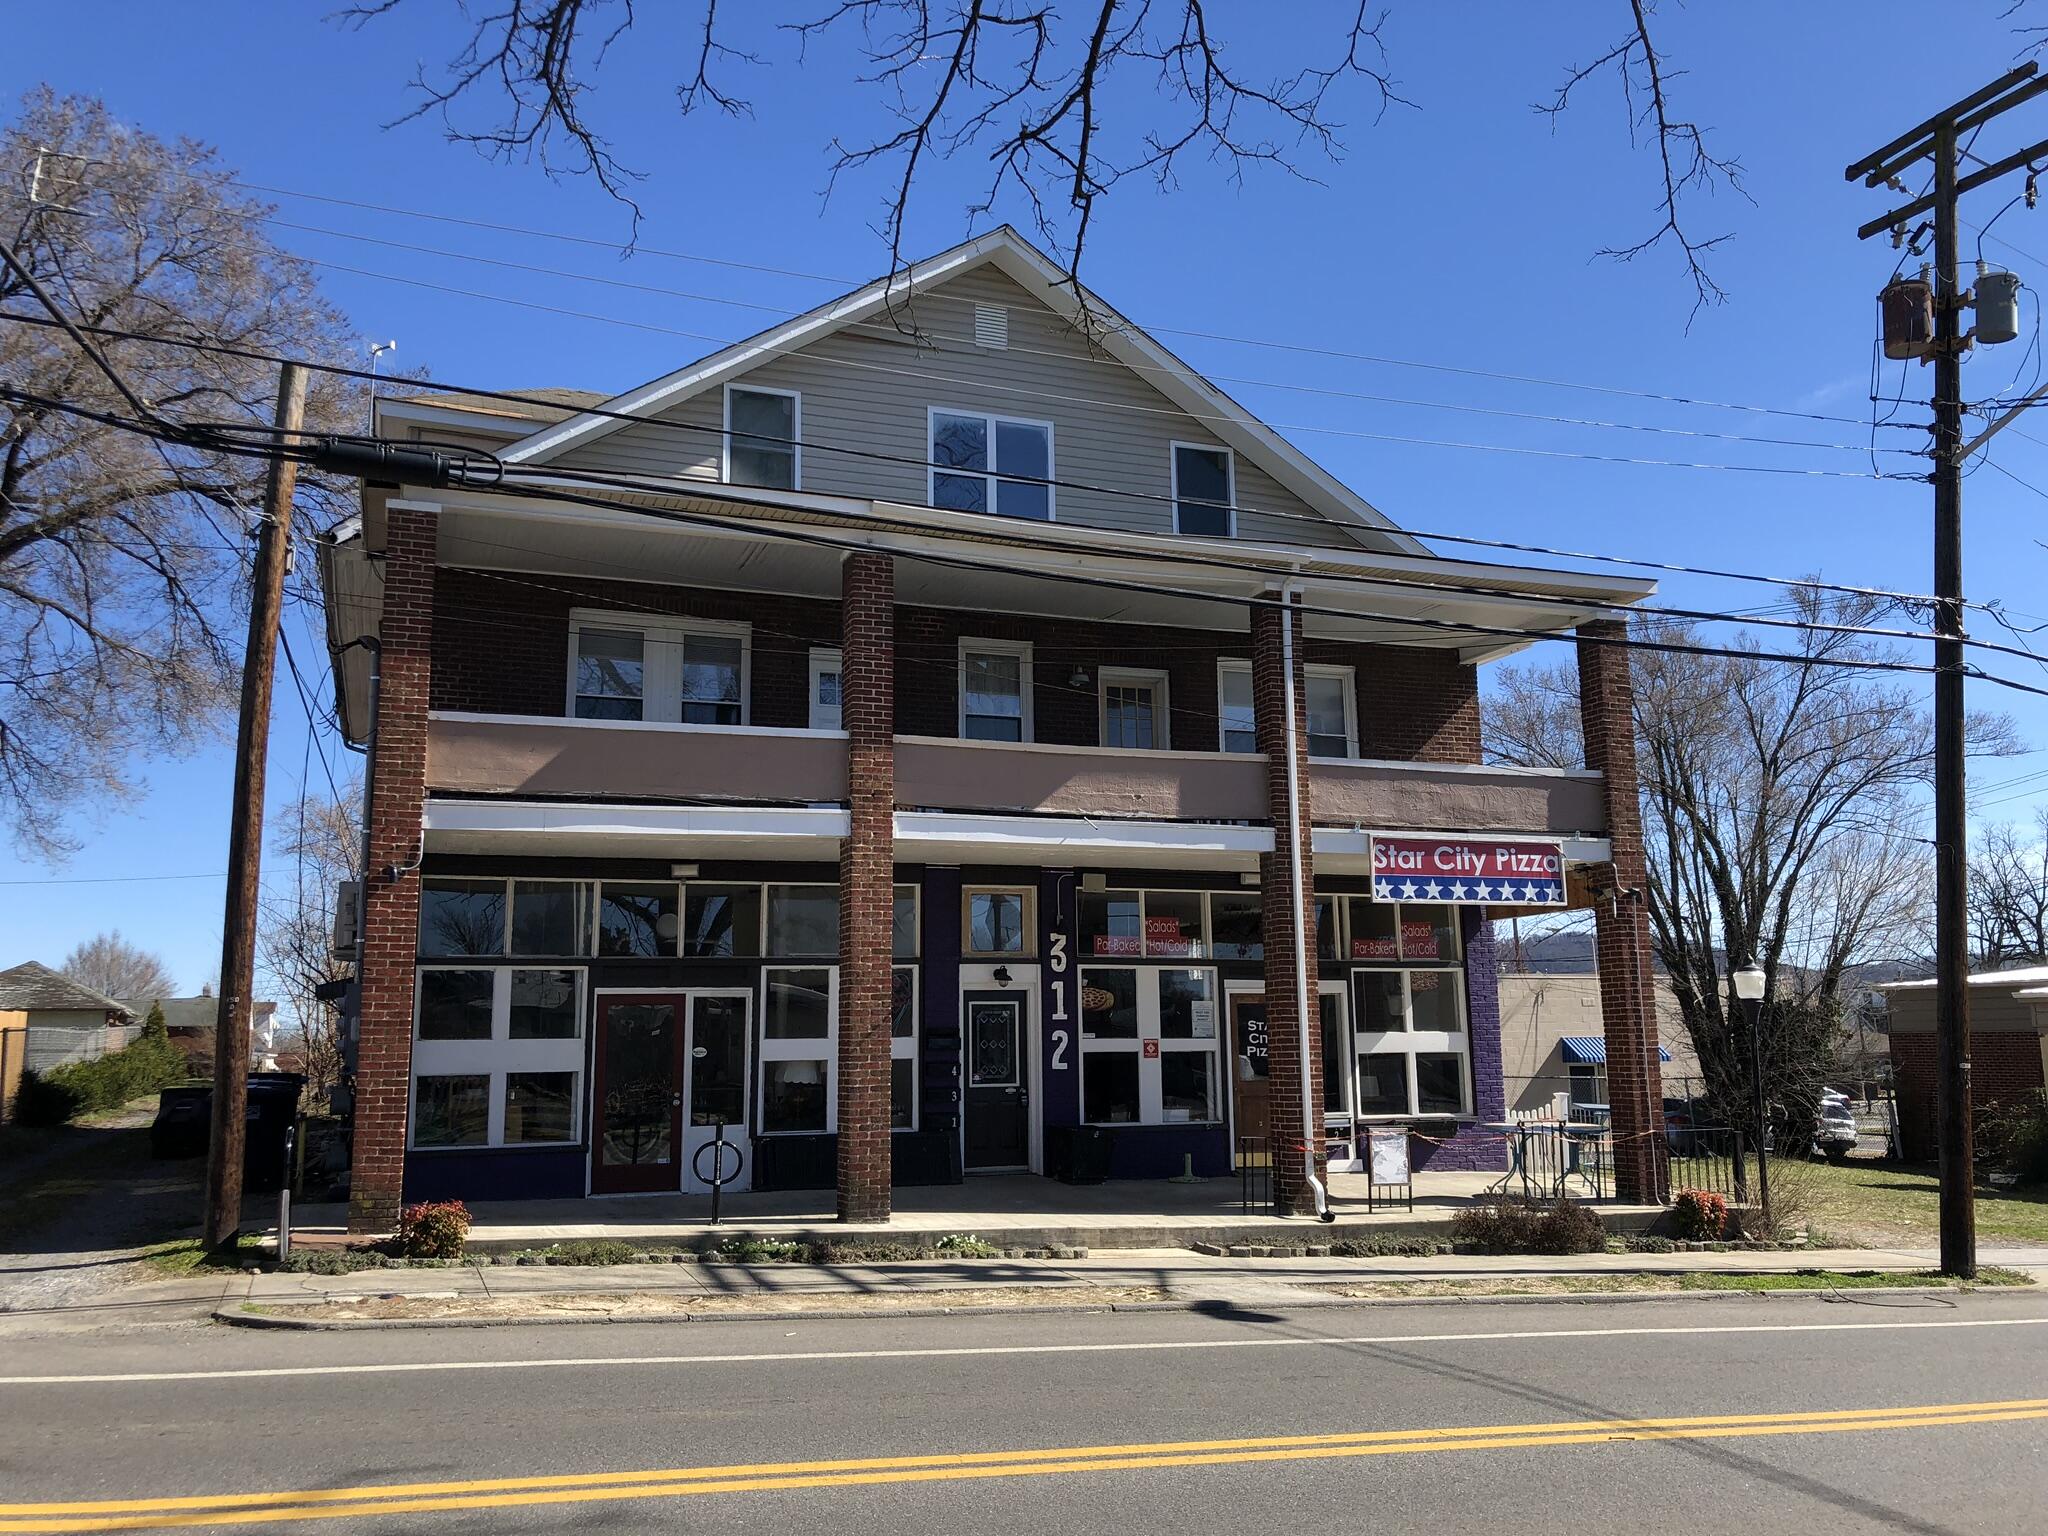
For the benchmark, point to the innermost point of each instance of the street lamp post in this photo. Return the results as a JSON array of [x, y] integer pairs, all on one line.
[[1749, 989]]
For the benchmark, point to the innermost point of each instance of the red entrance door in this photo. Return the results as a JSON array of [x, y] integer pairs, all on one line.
[[637, 1115]]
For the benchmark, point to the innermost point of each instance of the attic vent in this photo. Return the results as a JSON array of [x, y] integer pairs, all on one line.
[[991, 325]]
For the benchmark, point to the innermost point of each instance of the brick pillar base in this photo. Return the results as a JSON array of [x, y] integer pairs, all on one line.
[[1628, 1004], [867, 882], [390, 939], [1297, 1145]]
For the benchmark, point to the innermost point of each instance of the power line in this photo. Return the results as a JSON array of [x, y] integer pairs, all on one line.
[[113, 879]]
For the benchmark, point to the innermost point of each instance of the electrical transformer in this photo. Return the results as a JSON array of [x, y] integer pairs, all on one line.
[[1908, 307], [1998, 307]]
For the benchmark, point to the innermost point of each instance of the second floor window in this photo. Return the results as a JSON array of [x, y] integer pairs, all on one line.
[[972, 455], [1332, 715], [761, 437], [679, 670], [995, 691]]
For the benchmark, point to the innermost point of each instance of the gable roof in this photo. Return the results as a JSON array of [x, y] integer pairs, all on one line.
[[32, 985], [194, 1014], [1032, 270]]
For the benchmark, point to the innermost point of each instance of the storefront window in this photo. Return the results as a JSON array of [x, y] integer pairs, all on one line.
[[799, 1005], [540, 1107], [1109, 1004], [455, 1005], [1235, 919], [546, 1005], [1187, 1005], [903, 936], [723, 922], [1173, 925], [998, 922], [803, 920], [1375, 929], [1433, 1002], [1327, 941], [1187, 1086], [799, 1032], [1379, 1000], [1109, 1087], [1411, 1042], [793, 1096], [451, 1111], [461, 917], [1149, 1045], [1429, 933], [497, 1057], [637, 920], [903, 1048], [1382, 1083], [1336, 1057], [551, 917], [1111, 923], [1439, 1084]]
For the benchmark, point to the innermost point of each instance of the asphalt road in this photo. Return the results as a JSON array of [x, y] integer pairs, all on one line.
[[1758, 1416]]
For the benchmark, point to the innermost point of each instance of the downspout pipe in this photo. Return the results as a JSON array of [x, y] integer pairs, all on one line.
[[376, 653], [1310, 1111]]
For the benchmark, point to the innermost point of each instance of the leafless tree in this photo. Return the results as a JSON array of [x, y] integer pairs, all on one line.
[[2009, 894], [108, 963], [318, 835], [119, 556], [1782, 821], [1061, 108]]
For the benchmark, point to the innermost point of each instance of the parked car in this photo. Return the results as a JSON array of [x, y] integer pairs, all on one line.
[[1834, 1126], [1687, 1124]]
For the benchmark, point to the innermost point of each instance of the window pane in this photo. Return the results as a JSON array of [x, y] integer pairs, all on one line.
[[803, 920], [545, 1005], [1023, 449], [792, 1096], [994, 728], [1234, 703], [550, 917], [1187, 1086], [903, 924], [1336, 1057], [960, 493], [637, 919], [992, 696], [1187, 1006], [763, 464], [1015, 499], [768, 458], [1377, 996], [451, 1111], [718, 1060], [1235, 923], [1130, 716], [610, 674], [1433, 1000], [1328, 735], [1109, 1087], [1373, 926], [995, 923], [455, 1005], [959, 442], [1429, 933], [1440, 1084], [1326, 928], [1173, 924], [540, 1106], [903, 1003], [1111, 923], [461, 917], [723, 922], [1202, 478], [711, 680], [799, 1005], [903, 1093], [1383, 1083], [1109, 1004]]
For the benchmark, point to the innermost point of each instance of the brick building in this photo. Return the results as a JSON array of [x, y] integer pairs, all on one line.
[[2008, 1044], [875, 737]]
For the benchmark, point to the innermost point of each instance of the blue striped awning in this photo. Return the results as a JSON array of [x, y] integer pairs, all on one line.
[[1591, 1051]]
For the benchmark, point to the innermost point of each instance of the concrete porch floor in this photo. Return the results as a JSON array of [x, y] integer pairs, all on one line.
[[1022, 1210]]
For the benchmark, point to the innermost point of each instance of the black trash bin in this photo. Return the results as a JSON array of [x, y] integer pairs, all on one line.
[[1077, 1154], [182, 1113], [184, 1121]]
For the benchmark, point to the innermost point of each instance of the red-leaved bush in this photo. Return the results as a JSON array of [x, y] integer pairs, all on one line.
[[433, 1230], [1700, 1215]]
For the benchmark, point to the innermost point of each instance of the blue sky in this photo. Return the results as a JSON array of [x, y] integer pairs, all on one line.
[[1460, 233]]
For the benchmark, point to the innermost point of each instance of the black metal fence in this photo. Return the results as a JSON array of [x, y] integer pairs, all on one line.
[[1707, 1158]]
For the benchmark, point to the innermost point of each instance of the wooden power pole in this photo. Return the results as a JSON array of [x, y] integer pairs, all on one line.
[[229, 1131], [1936, 140]]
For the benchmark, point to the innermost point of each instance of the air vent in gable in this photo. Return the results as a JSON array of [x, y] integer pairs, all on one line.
[[991, 325]]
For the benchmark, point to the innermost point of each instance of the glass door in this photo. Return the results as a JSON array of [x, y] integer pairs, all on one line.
[[715, 1088], [637, 1096]]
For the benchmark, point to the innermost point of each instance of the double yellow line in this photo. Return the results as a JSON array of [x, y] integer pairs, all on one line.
[[682, 1482]]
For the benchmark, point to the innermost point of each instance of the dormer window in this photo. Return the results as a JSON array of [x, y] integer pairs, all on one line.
[[972, 455]]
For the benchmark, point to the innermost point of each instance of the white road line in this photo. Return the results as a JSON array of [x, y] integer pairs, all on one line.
[[776, 1357]]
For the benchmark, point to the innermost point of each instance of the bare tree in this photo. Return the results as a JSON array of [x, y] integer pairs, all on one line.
[[318, 834], [1782, 825], [120, 556], [1060, 109], [109, 963], [2009, 894]]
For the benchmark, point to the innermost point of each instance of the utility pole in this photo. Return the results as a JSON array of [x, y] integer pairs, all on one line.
[[1936, 140], [227, 1136]]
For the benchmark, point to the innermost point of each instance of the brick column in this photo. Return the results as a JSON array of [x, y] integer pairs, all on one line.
[[390, 940], [867, 873], [1293, 1142], [1628, 1003]]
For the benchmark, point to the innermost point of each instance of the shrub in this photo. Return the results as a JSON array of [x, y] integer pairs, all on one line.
[[1506, 1226], [325, 1261], [590, 1250], [1644, 1244], [433, 1230], [144, 1065], [1569, 1227], [2019, 1131], [43, 1101], [1386, 1245], [1700, 1215]]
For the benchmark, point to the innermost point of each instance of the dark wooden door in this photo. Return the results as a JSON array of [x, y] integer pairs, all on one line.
[[1251, 1064], [637, 1114], [998, 1094]]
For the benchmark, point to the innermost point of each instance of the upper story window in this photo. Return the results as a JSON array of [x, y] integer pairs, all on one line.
[[761, 432], [1134, 713], [1204, 491], [630, 667], [824, 689], [972, 455], [1332, 710], [995, 691]]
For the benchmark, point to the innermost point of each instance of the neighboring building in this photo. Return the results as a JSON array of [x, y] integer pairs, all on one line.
[[190, 1022], [1553, 1041], [877, 743], [2008, 1039], [65, 1022]]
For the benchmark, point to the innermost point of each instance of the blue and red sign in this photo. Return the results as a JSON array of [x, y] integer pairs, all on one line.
[[1468, 871]]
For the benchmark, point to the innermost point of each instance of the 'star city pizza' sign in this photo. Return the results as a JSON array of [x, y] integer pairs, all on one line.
[[1468, 871]]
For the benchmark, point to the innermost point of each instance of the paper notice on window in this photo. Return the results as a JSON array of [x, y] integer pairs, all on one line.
[[1390, 1157], [1202, 1020]]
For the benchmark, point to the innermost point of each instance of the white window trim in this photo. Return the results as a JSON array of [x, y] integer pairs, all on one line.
[[1229, 665], [1151, 1069], [1229, 474], [1161, 707], [1341, 990], [796, 431], [498, 1056], [823, 1049], [661, 694], [1409, 1042], [1021, 649], [1027, 929], [991, 475], [824, 659], [904, 1048]]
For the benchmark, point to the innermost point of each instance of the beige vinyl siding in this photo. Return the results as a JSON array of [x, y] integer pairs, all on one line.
[[871, 386]]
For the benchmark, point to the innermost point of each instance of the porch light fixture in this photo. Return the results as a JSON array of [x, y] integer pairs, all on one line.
[[1078, 678], [1002, 975], [1749, 983]]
